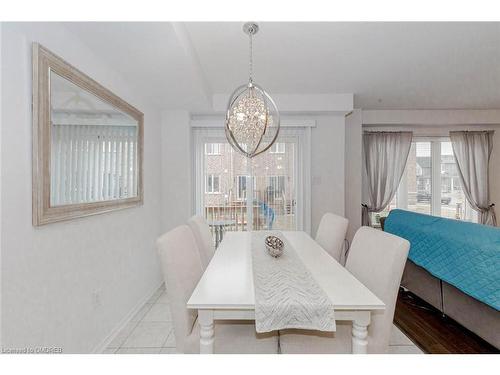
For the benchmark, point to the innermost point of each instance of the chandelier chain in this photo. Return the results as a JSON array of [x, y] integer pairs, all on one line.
[[250, 59]]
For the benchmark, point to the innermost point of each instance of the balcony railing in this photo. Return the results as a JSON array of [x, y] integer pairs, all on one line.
[[273, 214]]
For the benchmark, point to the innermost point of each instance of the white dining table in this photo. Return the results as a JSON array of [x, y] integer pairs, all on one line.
[[226, 289]]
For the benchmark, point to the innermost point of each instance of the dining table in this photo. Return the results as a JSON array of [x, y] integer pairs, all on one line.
[[219, 227], [226, 288]]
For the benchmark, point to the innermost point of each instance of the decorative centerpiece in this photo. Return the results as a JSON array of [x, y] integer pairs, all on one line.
[[274, 246]]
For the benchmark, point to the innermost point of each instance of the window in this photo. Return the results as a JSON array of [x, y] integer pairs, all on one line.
[[431, 183], [212, 148], [277, 148], [419, 178], [241, 187], [212, 184], [275, 187], [454, 205]]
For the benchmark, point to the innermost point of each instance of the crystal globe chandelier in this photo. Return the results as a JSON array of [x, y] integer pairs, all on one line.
[[252, 118]]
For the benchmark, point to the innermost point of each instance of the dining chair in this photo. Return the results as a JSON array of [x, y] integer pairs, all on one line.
[[182, 269], [203, 238], [377, 259], [331, 234]]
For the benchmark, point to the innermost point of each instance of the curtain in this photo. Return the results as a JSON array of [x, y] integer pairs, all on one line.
[[385, 156], [472, 150]]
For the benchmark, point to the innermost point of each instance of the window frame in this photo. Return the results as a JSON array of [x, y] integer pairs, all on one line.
[[207, 177], [239, 196], [277, 179], [239, 178], [215, 149], [277, 150]]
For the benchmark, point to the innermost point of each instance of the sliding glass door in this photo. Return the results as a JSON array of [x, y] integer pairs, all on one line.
[[236, 193]]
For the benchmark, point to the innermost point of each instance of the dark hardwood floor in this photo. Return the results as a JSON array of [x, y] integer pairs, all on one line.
[[432, 332]]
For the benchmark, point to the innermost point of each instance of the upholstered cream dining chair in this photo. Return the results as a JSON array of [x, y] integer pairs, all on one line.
[[377, 259], [331, 234], [203, 238], [182, 269]]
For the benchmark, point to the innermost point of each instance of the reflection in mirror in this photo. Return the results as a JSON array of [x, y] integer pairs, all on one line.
[[94, 152]]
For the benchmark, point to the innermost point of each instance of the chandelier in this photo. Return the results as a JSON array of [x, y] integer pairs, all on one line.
[[252, 118]]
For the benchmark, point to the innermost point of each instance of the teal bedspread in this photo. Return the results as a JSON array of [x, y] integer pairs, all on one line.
[[465, 255]]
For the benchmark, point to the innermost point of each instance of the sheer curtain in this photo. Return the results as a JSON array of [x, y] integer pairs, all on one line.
[[472, 150], [266, 191], [385, 156]]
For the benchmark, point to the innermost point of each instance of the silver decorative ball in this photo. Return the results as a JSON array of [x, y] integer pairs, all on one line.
[[274, 246]]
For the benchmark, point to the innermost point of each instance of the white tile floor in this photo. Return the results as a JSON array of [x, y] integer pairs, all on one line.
[[150, 331]]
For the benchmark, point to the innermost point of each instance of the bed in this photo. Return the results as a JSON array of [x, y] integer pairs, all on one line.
[[454, 266]]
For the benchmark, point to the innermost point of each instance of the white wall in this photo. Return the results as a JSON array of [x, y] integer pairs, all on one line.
[[432, 117], [495, 173], [327, 167], [49, 274], [176, 169], [353, 167], [1, 178]]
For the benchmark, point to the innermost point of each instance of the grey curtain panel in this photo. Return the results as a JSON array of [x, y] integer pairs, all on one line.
[[472, 150], [385, 156]]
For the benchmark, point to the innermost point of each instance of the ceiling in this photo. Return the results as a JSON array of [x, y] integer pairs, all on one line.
[[385, 65]]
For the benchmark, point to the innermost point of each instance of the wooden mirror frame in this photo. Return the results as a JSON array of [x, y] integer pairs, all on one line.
[[44, 62]]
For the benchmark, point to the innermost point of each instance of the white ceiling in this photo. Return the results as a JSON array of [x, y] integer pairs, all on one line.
[[385, 65]]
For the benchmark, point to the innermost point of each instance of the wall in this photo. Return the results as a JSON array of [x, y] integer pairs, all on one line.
[[495, 173], [50, 274], [176, 188], [353, 167], [440, 123], [327, 168], [1, 178]]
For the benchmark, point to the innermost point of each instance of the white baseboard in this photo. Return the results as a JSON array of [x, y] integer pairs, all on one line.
[[107, 340]]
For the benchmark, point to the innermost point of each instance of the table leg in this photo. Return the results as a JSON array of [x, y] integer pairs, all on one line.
[[222, 231], [219, 230], [206, 321], [217, 236], [360, 333]]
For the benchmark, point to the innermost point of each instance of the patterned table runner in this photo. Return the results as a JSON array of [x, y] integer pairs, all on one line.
[[286, 294]]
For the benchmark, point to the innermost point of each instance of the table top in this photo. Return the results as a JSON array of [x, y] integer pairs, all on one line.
[[227, 283]]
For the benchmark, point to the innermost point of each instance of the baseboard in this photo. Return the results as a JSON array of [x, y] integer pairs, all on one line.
[[107, 340]]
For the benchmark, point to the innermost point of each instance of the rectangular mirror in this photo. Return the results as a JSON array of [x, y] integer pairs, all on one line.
[[87, 145]]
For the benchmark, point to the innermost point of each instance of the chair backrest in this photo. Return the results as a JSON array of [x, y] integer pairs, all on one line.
[[182, 269], [377, 259], [203, 237], [331, 234]]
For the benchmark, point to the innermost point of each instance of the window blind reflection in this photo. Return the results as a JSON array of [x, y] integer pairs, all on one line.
[[91, 163]]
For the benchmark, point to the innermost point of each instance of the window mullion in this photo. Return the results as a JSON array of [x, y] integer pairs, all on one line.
[[436, 178], [402, 195]]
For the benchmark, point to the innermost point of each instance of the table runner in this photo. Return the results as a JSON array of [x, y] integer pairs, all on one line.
[[286, 294]]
